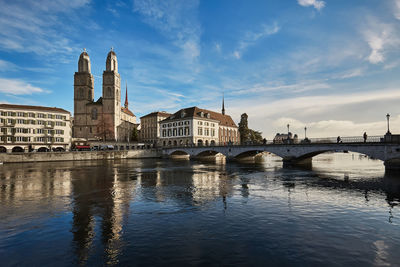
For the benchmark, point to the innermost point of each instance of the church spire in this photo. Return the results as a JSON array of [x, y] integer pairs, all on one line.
[[223, 104], [126, 96]]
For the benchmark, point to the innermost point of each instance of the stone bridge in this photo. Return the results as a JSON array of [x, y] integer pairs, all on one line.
[[389, 153]]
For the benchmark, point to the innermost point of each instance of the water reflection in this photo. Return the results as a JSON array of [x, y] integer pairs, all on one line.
[[117, 211]]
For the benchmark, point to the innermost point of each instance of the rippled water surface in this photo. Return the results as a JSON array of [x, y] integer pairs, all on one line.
[[343, 211]]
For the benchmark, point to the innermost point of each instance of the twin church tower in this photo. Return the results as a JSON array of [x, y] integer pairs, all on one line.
[[104, 119]]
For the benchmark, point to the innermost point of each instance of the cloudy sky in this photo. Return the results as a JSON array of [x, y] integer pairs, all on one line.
[[330, 65]]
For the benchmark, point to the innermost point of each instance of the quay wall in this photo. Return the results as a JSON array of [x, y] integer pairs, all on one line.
[[78, 155]]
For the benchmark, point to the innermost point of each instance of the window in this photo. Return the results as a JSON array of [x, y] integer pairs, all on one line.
[[174, 132], [212, 132], [40, 122], [40, 115], [94, 113], [169, 124], [174, 124], [30, 114], [187, 131], [187, 122], [19, 121], [169, 132], [200, 123], [180, 131], [164, 133], [20, 114], [39, 131], [9, 139], [200, 131], [206, 132]]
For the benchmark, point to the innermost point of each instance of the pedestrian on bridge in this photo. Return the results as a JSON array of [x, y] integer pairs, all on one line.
[[365, 137], [338, 139]]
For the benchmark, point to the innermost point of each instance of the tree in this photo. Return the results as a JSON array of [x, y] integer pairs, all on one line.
[[135, 134], [243, 128], [246, 134]]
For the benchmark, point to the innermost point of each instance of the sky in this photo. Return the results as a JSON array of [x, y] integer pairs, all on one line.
[[332, 66]]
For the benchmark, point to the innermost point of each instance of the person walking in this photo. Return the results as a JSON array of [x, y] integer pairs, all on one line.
[[338, 139], [365, 137]]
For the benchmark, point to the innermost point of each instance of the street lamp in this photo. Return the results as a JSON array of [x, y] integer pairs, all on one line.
[[305, 132], [288, 129], [387, 118]]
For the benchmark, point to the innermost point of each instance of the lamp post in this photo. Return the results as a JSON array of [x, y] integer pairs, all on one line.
[[288, 129], [387, 118], [305, 132]]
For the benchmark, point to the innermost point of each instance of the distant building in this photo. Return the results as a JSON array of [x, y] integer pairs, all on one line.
[[27, 128], [150, 127], [285, 138], [103, 119], [196, 126]]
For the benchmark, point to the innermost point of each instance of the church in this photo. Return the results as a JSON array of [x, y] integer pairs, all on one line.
[[104, 119]]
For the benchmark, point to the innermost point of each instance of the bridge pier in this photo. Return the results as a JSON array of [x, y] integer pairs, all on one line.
[[297, 161], [392, 165]]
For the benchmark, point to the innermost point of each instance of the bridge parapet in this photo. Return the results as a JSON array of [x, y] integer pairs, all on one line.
[[297, 153]]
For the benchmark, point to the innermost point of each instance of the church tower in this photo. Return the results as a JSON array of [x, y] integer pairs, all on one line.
[[83, 94], [112, 95]]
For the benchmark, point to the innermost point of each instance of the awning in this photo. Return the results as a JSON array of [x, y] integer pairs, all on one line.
[[79, 147]]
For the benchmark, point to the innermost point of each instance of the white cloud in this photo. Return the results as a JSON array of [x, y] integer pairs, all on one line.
[[18, 87], [327, 115], [380, 38], [315, 3], [250, 38], [177, 20], [33, 26], [397, 9]]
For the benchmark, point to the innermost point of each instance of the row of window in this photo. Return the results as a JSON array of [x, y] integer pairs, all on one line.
[[206, 123], [180, 123], [29, 139], [33, 122], [30, 131], [206, 131], [32, 115], [176, 132]]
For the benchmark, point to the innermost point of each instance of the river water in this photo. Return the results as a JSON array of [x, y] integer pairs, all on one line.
[[343, 211]]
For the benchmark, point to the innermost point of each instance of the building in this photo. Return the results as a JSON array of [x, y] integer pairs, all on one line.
[[288, 138], [150, 127], [104, 119], [196, 126], [28, 128]]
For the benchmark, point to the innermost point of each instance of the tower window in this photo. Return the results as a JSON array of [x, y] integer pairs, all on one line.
[[94, 114]]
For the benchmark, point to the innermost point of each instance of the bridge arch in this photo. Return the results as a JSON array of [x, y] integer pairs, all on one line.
[[17, 149], [3, 149], [178, 153]]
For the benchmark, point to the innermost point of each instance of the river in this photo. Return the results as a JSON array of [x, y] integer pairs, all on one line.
[[343, 211]]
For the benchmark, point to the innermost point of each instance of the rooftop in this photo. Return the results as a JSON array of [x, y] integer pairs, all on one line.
[[37, 108]]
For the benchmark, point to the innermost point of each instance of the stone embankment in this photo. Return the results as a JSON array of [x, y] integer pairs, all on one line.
[[78, 155]]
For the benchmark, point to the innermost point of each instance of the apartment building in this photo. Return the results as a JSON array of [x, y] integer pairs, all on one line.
[[150, 127], [196, 126], [34, 128]]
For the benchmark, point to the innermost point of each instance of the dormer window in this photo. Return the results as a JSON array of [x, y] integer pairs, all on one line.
[[183, 114], [208, 115], [201, 114]]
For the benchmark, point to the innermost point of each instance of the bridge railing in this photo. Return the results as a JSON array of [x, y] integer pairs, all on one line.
[[347, 139], [324, 140]]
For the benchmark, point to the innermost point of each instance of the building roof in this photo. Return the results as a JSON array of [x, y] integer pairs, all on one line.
[[195, 112], [127, 111], [37, 108], [157, 113]]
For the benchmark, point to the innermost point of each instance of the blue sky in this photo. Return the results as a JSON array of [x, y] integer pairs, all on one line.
[[331, 65]]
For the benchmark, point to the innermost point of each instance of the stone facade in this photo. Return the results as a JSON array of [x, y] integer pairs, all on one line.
[[28, 128], [103, 119], [195, 126], [150, 127]]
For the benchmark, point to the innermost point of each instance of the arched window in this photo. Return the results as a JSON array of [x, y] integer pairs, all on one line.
[[94, 114]]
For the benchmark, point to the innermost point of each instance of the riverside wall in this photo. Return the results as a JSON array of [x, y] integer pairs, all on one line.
[[78, 155]]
